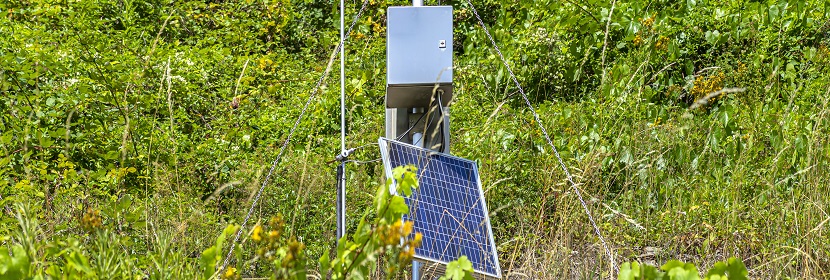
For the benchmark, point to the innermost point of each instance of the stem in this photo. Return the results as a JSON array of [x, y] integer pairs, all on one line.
[[360, 251], [584, 10], [605, 43]]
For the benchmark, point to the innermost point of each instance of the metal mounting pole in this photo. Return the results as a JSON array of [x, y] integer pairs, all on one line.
[[416, 266], [341, 200], [341, 172]]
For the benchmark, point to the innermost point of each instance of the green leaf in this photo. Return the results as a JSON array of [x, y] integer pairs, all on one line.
[[15, 265], [208, 260], [773, 13], [690, 4], [461, 269], [79, 262], [124, 203], [733, 269], [629, 271], [677, 270], [650, 272], [325, 262], [397, 207], [405, 178], [719, 269], [213, 255], [382, 195]]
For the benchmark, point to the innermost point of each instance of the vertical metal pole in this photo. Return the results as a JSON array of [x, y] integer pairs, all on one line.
[[342, 81], [341, 172], [341, 201], [416, 266]]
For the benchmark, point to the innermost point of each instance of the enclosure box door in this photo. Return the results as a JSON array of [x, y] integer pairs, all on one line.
[[418, 55]]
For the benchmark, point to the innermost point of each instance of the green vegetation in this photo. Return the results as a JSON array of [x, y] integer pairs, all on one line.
[[676, 270], [133, 132]]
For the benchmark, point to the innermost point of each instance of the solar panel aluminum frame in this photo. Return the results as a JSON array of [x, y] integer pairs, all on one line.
[[384, 151]]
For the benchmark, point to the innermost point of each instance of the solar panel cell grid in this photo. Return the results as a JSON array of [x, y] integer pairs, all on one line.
[[448, 208]]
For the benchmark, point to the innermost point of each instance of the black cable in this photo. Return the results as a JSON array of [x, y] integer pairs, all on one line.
[[429, 122], [444, 149], [411, 127], [441, 121]]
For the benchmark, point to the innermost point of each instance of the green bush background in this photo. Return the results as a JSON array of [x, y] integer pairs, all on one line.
[[165, 116]]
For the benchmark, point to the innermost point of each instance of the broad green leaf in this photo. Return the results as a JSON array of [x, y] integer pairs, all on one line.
[[382, 195], [736, 270], [397, 206], [629, 271], [461, 269], [14, 265]]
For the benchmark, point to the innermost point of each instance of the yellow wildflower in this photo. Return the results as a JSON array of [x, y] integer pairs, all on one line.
[[256, 236], [407, 228], [91, 220], [662, 43], [416, 241], [647, 22], [230, 273]]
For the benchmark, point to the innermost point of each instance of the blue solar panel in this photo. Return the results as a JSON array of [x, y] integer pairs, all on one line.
[[448, 207]]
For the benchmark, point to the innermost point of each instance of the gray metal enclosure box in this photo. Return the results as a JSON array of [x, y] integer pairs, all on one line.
[[418, 55]]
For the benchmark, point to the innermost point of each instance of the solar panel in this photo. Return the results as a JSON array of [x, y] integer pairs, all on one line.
[[447, 208]]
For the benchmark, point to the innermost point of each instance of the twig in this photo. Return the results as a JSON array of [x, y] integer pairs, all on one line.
[[6, 207], [705, 100], [624, 216], [39, 148], [795, 174], [220, 189], [661, 71], [236, 88], [706, 69], [818, 227], [628, 84], [158, 35], [584, 10], [605, 42], [487, 123]]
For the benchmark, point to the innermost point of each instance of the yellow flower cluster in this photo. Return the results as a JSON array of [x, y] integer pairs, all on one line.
[[662, 43], [265, 63], [271, 245], [257, 234], [396, 234], [647, 22], [741, 67], [295, 248], [648, 33], [377, 28], [706, 85], [407, 254], [392, 234], [638, 40], [656, 122], [91, 220], [268, 237], [230, 274]]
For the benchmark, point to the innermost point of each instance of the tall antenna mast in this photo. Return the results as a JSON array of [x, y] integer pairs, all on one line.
[[416, 266], [341, 168]]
